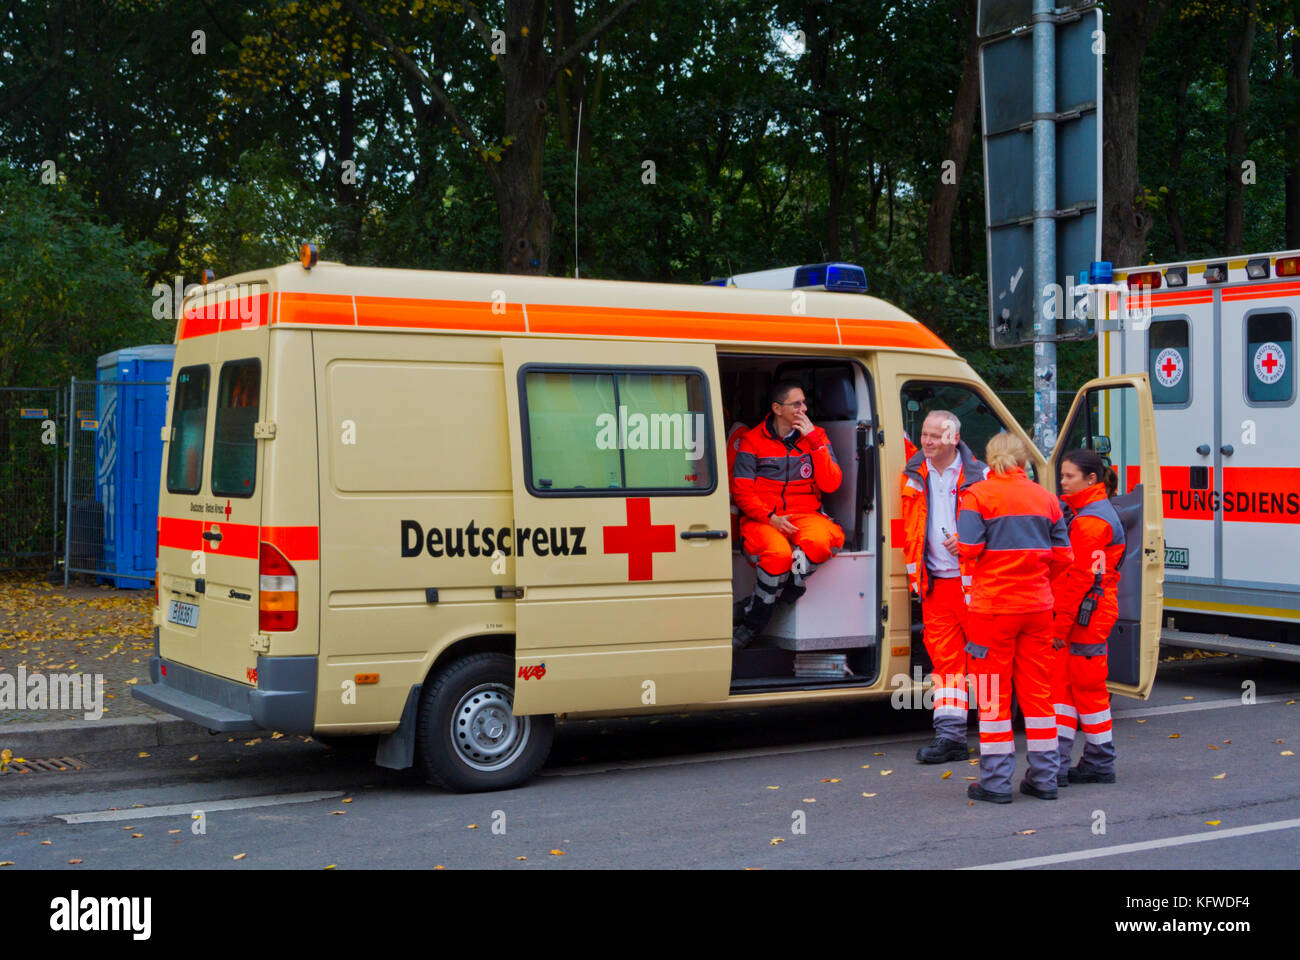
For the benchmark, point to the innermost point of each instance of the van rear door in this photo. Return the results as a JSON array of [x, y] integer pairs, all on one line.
[[1114, 417], [622, 525], [210, 507]]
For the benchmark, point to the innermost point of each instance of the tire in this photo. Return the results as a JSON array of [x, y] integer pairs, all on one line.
[[467, 739]]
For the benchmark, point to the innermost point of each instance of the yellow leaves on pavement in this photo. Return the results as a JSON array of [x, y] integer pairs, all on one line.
[[472, 826], [239, 856], [74, 861], [775, 840], [521, 858], [808, 800], [1174, 736], [143, 754], [1213, 823], [771, 788], [346, 800], [1288, 753], [1025, 833], [193, 758], [337, 813], [885, 773], [252, 743], [830, 779], [946, 775], [1218, 776], [6, 863], [870, 794], [558, 853], [331, 866], [136, 836]]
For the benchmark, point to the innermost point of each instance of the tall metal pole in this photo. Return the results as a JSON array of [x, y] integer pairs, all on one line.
[[67, 529], [1044, 224]]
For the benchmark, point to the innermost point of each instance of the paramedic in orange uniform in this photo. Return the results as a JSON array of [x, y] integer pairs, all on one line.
[[1092, 584], [933, 479], [782, 468], [1013, 538]]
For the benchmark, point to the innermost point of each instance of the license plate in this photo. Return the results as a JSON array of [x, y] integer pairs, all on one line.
[[186, 614], [1176, 558]]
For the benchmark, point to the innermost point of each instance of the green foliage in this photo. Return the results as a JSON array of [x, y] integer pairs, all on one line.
[[70, 287]]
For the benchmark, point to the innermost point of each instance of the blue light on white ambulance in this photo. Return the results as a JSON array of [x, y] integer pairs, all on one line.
[[834, 277]]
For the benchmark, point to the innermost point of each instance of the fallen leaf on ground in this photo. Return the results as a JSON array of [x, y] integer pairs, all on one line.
[[278, 736], [946, 775], [137, 836], [173, 831], [1213, 747], [46, 843], [472, 826], [239, 856], [521, 858], [347, 800], [1174, 736], [339, 813], [557, 853], [830, 779], [869, 794], [331, 866], [1213, 823], [74, 861], [1218, 776], [808, 800], [1141, 721], [775, 840], [877, 754], [970, 778], [1189, 698], [885, 773], [1025, 833], [771, 788], [6, 863], [195, 757], [866, 766], [1288, 753], [142, 754]]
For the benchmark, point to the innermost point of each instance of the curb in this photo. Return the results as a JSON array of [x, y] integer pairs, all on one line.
[[58, 738]]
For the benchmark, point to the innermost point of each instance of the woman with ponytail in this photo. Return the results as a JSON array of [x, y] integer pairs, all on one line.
[[1086, 608]]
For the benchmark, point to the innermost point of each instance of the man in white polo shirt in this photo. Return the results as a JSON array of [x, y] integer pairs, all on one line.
[[932, 483]]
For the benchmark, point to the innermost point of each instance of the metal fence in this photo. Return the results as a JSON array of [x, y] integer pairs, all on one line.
[[113, 466], [32, 429]]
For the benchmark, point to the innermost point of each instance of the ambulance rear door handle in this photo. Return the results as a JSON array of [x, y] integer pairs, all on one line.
[[704, 534], [1203, 449], [1226, 449], [209, 535]]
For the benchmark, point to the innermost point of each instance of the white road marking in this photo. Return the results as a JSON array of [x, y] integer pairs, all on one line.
[[1124, 848], [1205, 705], [207, 806]]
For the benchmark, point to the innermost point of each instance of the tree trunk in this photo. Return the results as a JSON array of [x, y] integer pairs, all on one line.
[[820, 39], [1236, 102], [1124, 217], [1172, 213], [938, 228]]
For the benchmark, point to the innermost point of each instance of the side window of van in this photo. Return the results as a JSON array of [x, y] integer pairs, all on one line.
[[617, 430], [189, 420], [978, 421], [1169, 360], [234, 449]]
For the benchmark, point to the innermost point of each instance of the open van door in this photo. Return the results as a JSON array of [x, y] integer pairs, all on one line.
[[621, 546], [1114, 417]]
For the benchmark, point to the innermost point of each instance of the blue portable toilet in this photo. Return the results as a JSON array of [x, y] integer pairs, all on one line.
[[131, 407]]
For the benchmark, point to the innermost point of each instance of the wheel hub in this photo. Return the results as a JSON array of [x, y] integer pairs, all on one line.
[[486, 732]]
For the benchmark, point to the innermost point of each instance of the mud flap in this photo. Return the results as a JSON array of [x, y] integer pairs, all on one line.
[[396, 750]]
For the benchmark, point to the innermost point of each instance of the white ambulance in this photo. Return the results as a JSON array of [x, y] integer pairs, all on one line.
[[1218, 338], [445, 508]]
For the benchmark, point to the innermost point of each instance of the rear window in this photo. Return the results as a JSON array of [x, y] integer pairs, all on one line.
[[1270, 373], [234, 449], [189, 421]]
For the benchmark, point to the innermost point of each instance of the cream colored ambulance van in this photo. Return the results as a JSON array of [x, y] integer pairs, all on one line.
[[446, 508]]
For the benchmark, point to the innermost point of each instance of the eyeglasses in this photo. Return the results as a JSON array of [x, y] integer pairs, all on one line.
[[796, 404]]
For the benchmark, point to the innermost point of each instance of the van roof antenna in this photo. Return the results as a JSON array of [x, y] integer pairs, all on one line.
[[577, 142]]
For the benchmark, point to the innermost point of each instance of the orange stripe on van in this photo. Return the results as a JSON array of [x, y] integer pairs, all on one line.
[[1173, 298], [679, 324], [238, 539], [888, 333], [296, 543], [439, 314], [331, 309], [1263, 290], [234, 313]]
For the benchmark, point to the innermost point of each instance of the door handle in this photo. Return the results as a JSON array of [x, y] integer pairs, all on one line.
[[209, 535], [1226, 449], [1203, 449], [704, 534]]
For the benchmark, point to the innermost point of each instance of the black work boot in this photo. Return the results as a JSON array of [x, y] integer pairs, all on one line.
[[1077, 775], [942, 750], [976, 792], [1029, 790]]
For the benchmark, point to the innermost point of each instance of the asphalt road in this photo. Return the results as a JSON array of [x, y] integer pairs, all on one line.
[[1203, 783]]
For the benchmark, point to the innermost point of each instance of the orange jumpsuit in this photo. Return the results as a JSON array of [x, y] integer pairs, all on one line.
[[1079, 677], [943, 601], [783, 476], [1013, 537]]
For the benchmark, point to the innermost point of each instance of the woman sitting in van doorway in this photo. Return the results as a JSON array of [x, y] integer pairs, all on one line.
[[782, 468], [1087, 606], [1012, 537]]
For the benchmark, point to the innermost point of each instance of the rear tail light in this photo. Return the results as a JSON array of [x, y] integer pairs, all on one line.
[[1148, 279], [1287, 267], [277, 599]]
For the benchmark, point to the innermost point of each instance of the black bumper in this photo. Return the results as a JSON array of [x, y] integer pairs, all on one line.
[[284, 698]]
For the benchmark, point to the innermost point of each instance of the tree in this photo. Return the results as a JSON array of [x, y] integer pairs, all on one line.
[[1125, 219], [514, 163], [1236, 102], [965, 109]]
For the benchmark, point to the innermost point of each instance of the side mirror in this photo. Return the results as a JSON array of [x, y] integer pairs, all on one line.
[[1101, 445]]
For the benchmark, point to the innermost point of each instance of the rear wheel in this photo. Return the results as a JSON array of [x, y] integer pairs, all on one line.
[[467, 737]]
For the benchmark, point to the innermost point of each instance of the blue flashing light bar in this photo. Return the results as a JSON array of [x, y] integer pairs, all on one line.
[[840, 277]]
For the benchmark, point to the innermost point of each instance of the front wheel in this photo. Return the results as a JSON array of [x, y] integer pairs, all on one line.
[[468, 738]]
